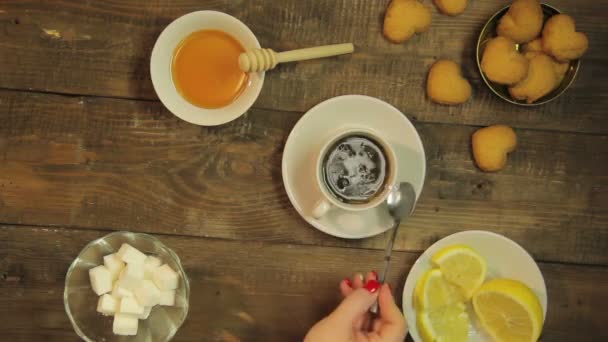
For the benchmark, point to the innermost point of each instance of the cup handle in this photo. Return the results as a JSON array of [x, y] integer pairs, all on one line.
[[321, 208]]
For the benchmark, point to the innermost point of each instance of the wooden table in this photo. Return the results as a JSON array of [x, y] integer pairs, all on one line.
[[87, 148]]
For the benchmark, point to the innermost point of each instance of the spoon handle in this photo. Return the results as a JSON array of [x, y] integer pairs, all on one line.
[[256, 60], [389, 251], [387, 261]]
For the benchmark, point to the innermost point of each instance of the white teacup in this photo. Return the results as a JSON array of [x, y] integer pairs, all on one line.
[[162, 56], [328, 200]]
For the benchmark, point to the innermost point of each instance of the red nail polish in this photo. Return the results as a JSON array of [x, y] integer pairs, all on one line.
[[375, 274], [348, 282], [372, 286]]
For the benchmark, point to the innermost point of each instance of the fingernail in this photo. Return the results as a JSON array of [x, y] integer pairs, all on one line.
[[372, 286], [360, 275], [375, 274], [348, 282]]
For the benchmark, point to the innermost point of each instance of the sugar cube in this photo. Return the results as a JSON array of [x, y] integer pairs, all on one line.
[[114, 264], [147, 293], [166, 278], [119, 291], [150, 264], [101, 279], [107, 305], [167, 298], [131, 276], [130, 254], [125, 324], [130, 283], [146, 313], [128, 305]]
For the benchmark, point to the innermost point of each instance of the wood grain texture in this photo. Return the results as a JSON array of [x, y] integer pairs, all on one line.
[[244, 289], [122, 164], [103, 48]]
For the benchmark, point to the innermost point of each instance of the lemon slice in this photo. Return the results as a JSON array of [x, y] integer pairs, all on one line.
[[462, 266], [509, 311], [433, 291], [448, 323]]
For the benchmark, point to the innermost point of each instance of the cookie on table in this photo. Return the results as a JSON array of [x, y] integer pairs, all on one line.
[[446, 85], [404, 18], [451, 7], [491, 146]]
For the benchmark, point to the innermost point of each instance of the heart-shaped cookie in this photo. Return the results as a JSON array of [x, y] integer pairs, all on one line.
[[561, 40], [491, 146], [535, 47], [501, 63], [522, 22], [541, 79], [404, 18], [446, 85], [451, 7]]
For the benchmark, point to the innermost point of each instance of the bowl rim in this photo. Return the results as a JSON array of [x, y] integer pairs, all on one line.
[[170, 97], [576, 63], [72, 266]]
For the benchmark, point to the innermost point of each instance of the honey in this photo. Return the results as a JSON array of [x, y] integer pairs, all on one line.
[[206, 71]]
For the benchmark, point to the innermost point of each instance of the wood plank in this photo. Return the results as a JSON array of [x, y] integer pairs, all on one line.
[[262, 280], [102, 48], [94, 162]]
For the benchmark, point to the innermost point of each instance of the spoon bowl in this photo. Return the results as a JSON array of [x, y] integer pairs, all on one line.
[[401, 201]]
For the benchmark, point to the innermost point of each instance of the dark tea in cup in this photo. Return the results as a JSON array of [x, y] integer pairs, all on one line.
[[355, 169]]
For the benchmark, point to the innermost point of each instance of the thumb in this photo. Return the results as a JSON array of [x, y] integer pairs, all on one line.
[[389, 311], [355, 305], [390, 314]]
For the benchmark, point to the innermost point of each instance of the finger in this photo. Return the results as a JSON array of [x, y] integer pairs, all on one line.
[[394, 322], [355, 305], [346, 287], [357, 281], [362, 322], [361, 336], [377, 325], [371, 276]]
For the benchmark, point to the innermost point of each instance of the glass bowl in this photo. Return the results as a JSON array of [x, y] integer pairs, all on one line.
[[81, 302], [489, 31]]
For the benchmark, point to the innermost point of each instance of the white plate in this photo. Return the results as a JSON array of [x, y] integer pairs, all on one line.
[[162, 56], [505, 259], [317, 126]]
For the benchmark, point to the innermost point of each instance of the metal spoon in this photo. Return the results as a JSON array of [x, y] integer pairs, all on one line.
[[400, 202]]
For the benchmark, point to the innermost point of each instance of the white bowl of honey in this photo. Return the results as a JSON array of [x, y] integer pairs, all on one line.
[[195, 71]]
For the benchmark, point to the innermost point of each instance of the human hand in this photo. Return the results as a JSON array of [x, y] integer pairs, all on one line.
[[352, 321]]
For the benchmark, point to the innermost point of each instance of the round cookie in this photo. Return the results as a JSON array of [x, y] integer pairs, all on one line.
[[561, 40], [491, 145], [501, 63], [522, 22], [446, 85], [451, 7], [541, 79], [404, 18]]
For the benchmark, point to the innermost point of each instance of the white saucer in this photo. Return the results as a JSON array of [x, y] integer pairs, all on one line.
[[505, 259], [317, 126]]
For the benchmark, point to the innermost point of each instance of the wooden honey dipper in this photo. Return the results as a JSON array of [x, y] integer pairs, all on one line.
[[265, 59]]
